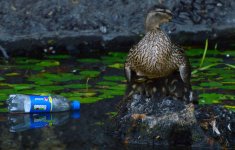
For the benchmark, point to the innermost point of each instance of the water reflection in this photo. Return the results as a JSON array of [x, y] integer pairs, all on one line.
[[23, 122], [93, 130]]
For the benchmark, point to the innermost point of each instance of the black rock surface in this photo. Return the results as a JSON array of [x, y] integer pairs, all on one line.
[[159, 112], [155, 111], [77, 22]]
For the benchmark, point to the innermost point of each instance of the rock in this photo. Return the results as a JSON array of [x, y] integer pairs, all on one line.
[[143, 128], [194, 21], [153, 112], [218, 123]]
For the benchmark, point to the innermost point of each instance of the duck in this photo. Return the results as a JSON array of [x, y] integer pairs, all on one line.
[[155, 55]]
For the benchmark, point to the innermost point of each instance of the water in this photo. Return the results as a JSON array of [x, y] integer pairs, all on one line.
[[99, 84], [87, 132]]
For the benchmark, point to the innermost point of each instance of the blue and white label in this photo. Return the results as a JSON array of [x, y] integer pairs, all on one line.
[[40, 120], [40, 104]]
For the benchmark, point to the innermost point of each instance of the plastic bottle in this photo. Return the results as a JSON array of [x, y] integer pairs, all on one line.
[[19, 103], [23, 122]]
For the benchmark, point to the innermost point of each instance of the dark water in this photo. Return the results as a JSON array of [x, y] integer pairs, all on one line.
[[86, 132], [99, 84], [90, 131]]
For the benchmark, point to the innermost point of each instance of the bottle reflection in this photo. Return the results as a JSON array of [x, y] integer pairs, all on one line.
[[23, 122]]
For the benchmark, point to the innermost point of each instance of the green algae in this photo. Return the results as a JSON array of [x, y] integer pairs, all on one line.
[[1, 78], [12, 74], [48, 63], [25, 60], [199, 52], [229, 52], [89, 60], [107, 83], [214, 74], [59, 56], [50, 78], [114, 57], [89, 73], [211, 84], [89, 85], [112, 114], [3, 110], [76, 86], [213, 98], [117, 66], [114, 78]]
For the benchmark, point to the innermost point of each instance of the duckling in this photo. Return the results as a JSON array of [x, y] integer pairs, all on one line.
[[156, 55]]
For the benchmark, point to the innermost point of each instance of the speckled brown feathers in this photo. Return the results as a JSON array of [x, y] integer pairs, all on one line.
[[155, 55]]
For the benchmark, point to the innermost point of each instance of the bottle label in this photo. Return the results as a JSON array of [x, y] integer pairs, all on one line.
[[40, 104], [40, 120]]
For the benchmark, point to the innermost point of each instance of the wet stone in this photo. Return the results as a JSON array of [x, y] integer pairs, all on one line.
[[218, 123], [145, 114], [158, 117]]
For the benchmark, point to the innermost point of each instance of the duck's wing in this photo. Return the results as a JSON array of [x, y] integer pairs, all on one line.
[[184, 64], [127, 65]]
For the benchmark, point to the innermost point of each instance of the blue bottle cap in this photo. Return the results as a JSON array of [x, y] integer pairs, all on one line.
[[75, 105], [75, 115]]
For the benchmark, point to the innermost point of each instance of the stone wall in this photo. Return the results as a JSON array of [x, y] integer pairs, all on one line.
[[106, 20]]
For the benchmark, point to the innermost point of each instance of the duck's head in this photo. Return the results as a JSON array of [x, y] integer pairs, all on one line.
[[156, 16]]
